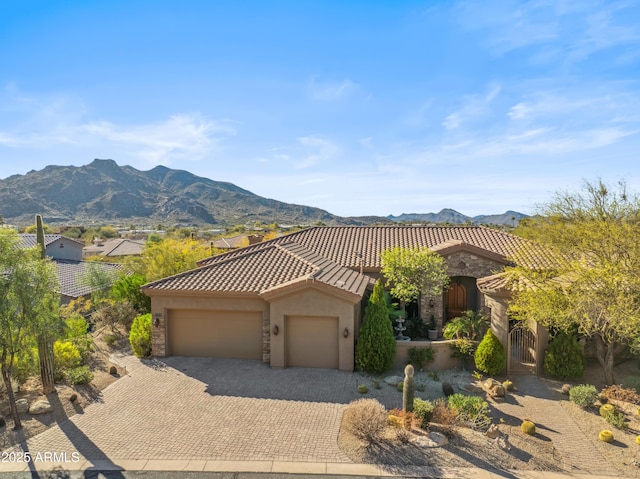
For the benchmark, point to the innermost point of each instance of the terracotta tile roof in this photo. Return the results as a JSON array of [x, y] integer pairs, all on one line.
[[360, 246], [493, 283], [71, 274], [266, 270]]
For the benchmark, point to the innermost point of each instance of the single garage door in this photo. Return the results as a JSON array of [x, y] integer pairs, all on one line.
[[312, 341], [215, 334]]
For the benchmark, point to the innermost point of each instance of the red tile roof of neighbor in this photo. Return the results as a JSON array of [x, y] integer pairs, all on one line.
[[332, 255], [71, 275]]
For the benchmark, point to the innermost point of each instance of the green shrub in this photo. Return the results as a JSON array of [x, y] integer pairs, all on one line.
[[79, 375], [583, 395], [463, 350], [140, 335], [470, 326], [363, 389], [400, 386], [422, 410], [490, 356], [418, 357], [76, 331], [65, 356], [470, 409], [564, 358], [25, 365], [616, 419], [376, 347]]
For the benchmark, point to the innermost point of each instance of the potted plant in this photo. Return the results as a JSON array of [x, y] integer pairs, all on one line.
[[433, 330]]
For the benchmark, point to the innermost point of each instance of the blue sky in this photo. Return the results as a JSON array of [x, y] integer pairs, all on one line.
[[360, 108]]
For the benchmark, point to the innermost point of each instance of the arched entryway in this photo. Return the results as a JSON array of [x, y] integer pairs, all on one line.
[[461, 296]]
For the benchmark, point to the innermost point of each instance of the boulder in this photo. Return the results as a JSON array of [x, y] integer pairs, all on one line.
[[447, 389], [497, 391], [393, 380], [40, 407], [73, 397], [493, 431], [113, 370], [23, 406]]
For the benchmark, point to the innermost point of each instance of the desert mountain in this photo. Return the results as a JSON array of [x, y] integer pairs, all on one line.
[[509, 218], [103, 191]]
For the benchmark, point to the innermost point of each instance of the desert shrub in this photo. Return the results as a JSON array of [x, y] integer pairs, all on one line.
[[423, 411], [445, 417], [376, 347], [400, 386], [564, 358], [376, 383], [400, 418], [602, 397], [622, 394], [25, 365], [115, 314], [420, 386], [566, 388], [140, 335], [528, 427], [79, 375], [605, 436], [363, 389], [127, 288], [365, 419], [463, 350], [65, 357], [76, 331], [472, 410], [616, 419], [418, 357], [583, 395], [470, 326], [490, 356]]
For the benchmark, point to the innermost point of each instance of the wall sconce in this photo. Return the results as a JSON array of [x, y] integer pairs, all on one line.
[[276, 330], [431, 303], [346, 332], [156, 319]]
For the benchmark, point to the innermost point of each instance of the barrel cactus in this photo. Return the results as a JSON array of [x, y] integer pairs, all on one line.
[[607, 409], [528, 427], [606, 436]]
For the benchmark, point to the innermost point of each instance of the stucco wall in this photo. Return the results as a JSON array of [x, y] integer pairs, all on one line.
[[64, 248], [312, 302], [441, 361]]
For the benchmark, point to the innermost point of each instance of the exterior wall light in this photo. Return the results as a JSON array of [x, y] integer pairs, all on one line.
[[156, 319], [431, 303], [276, 330], [346, 332]]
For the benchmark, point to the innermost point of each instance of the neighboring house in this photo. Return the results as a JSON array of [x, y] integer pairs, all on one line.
[[236, 242], [298, 300], [67, 255], [114, 248]]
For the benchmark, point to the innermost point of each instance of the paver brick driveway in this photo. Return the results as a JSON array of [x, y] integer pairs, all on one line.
[[196, 408]]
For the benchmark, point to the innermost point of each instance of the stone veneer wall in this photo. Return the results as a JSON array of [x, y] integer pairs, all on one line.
[[266, 337], [461, 263], [158, 334]]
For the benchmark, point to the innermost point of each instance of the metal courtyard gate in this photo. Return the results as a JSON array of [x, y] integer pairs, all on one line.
[[521, 357]]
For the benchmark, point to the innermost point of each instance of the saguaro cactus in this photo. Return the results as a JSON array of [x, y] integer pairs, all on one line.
[[408, 389], [45, 341]]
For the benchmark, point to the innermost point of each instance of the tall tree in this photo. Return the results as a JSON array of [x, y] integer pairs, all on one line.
[[46, 324], [412, 271], [376, 345], [168, 257], [590, 279], [27, 296]]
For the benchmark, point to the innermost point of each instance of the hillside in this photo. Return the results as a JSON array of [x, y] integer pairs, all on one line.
[[509, 218], [104, 192]]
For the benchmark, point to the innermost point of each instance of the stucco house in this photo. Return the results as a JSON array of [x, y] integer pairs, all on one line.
[[298, 300], [67, 256]]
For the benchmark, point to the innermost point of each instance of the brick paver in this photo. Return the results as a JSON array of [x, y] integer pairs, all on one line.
[[534, 400], [207, 409]]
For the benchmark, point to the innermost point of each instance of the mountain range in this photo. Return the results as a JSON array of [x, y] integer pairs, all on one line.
[[104, 192]]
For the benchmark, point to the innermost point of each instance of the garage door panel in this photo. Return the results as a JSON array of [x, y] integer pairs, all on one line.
[[217, 334], [312, 341]]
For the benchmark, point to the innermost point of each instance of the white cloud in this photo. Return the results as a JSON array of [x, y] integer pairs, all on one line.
[[318, 149], [330, 91], [473, 106]]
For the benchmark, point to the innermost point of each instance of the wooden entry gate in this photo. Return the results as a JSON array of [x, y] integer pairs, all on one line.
[[521, 357]]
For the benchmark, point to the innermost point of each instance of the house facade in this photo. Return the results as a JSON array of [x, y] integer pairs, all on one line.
[[298, 300]]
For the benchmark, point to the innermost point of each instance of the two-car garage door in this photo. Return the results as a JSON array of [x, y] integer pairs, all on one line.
[[217, 334]]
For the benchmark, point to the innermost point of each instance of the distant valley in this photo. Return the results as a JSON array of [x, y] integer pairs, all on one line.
[[103, 192]]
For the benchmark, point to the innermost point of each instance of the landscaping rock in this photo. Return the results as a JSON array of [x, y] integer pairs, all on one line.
[[447, 389], [490, 383], [493, 431], [393, 380], [113, 370], [497, 391], [433, 439], [23, 406], [73, 397], [40, 407]]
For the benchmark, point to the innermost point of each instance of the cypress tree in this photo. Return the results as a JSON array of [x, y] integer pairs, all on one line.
[[376, 346]]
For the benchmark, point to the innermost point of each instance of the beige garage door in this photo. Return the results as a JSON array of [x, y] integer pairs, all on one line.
[[215, 334], [312, 342]]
